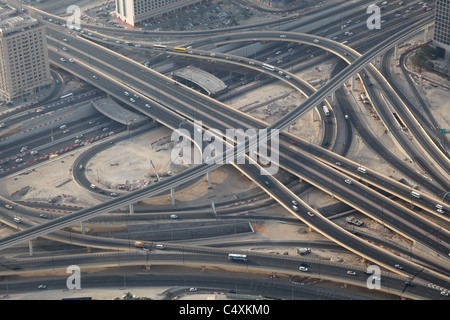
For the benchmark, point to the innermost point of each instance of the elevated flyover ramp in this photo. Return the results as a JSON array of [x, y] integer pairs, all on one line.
[[116, 112], [205, 80]]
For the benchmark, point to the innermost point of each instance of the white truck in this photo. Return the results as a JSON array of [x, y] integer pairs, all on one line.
[[303, 251], [353, 220]]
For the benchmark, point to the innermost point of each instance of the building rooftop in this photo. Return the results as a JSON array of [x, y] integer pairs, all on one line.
[[16, 23]]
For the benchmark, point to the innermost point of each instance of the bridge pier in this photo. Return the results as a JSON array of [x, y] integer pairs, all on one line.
[[83, 231], [30, 247], [208, 177], [425, 34], [131, 207], [396, 51], [172, 195], [353, 83]]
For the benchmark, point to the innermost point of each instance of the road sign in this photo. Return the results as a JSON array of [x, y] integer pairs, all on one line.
[[444, 131]]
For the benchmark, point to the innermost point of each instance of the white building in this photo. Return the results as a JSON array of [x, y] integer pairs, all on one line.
[[24, 63], [135, 12]]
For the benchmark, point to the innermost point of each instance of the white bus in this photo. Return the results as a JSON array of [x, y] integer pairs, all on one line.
[[237, 257], [159, 47], [268, 67], [326, 111], [66, 96]]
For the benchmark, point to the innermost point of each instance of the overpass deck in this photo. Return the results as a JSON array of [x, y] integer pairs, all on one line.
[[211, 84], [116, 112]]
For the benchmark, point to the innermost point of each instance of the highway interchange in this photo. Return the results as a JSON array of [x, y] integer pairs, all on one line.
[[173, 105]]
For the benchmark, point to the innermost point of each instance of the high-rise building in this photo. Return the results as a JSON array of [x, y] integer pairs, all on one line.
[[442, 26], [24, 63], [135, 12]]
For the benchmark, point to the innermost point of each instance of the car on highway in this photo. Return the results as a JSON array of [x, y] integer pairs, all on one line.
[[24, 148], [294, 202], [351, 273], [41, 286], [193, 289], [295, 208], [8, 207], [77, 141], [132, 100], [348, 181], [310, 214], [147, 105], [62, 60], [173, 216], [63, 127], [113, 194], [71, 60], [444, 293], [303, 269], [105, 129], [2, 125], [398, 267], [95, 77], [43, 216], [79, 136], [19, 160], [33, 152], [66, 131]]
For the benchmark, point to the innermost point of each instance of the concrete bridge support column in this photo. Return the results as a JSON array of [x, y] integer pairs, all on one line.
[[425, 34], [172, 195], [30, 246], [83, 231], [396, 51], [208, 177], [353, 83], [333, 98], [131, 206]]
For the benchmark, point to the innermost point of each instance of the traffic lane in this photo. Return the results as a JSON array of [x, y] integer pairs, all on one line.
[[385, 210], [53, 133], [353, 244]]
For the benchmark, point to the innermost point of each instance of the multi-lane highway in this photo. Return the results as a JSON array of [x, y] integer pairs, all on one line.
[[179, 99]]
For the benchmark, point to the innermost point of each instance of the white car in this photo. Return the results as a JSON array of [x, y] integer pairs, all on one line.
[[193, 289], [348, 181], [147, 105], [19, 160], [304, 269], [132, 100], [41, 286], [33, 152]]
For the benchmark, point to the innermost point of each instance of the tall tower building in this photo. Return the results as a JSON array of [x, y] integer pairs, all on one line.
[[442, 26], [134, 12], [24, 63]]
